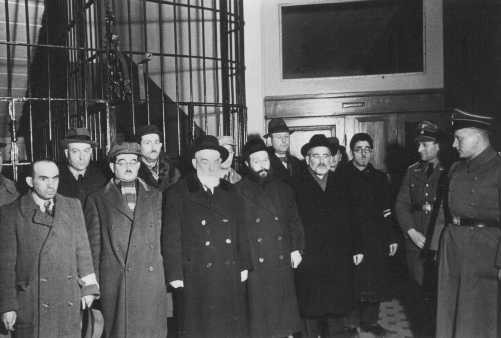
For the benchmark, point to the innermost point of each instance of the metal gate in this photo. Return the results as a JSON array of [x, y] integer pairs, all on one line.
[[113, 65]]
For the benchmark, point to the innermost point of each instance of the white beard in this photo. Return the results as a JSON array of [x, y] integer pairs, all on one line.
[[209, 181]]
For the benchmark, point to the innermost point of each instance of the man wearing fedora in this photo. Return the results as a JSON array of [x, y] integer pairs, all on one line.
[[124, 226], [78, 177], [324, 279], [206, 248], [277, 239], [283, 164], [157, 169], [470, 254], [46, 270]]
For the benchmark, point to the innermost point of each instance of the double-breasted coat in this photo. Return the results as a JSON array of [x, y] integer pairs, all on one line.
[[324, 279], [205, 245], [413, 208], [127, 256], [275, 230], [42, 259], [370, 199], [468, 303]]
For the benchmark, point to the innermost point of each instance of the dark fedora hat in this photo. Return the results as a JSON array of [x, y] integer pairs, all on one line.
[[319, 140], [253, 145], [77, 135], [427, 131], [462, 119], [209, 142], [277, 125], [146, 130]]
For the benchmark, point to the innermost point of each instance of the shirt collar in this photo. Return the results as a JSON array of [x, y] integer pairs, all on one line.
[[40, 202], [76, 173]]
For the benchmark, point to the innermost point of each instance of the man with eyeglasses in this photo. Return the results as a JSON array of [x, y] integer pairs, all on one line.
[[157, 169], [370, 200], [283, 164], [324, 279], [79, 177], [124, 221]]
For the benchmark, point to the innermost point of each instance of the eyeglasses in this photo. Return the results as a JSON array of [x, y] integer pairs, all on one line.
[[123, 163], [360, 150]]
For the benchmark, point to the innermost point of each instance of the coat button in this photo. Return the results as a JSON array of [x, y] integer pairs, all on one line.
[[46, 306], [225, 220], [228, 241], [279, 237], [70, 303], [276, 218], [259, 239], [258, 220], [151, 246], [70, 277], [150, 268], [427, 185], [207, 243], [209, 265], [43, 280], [227, 262], [203, 222], [261, 259], [281, 257], [128, 269]]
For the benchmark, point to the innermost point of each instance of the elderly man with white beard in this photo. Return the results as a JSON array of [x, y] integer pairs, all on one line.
[[206, 249]]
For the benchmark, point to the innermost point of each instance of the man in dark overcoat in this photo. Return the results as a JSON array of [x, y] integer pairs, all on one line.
[[277, 239], [206, 249], [324, 280], [157, 169], [46, 271], [470, 255], [370, 201], [124, 226], [78, 177], [283, 163]]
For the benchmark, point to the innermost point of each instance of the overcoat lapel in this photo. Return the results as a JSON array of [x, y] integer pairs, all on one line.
[[114, 198]]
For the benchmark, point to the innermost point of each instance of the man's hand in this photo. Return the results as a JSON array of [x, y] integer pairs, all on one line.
[[9, 320], [296, 259], [499, 274], [393, 249], [177, 284], [417, 238], [357, 259], [87, 301], [244, 274]]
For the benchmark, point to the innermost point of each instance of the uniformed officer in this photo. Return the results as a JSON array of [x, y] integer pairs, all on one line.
[[470, 255], [416, 198]]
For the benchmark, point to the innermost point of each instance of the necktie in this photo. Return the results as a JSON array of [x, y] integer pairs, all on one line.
[[49, 208], [80, 178], [429, 170], [284, 161]]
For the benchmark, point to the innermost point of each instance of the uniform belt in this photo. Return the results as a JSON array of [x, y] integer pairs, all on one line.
[[474, 222]]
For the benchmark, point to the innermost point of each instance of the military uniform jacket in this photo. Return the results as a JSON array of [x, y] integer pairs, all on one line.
[[206, 246], [42, 259], [275, 230], [475, 190], [415, 199]]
